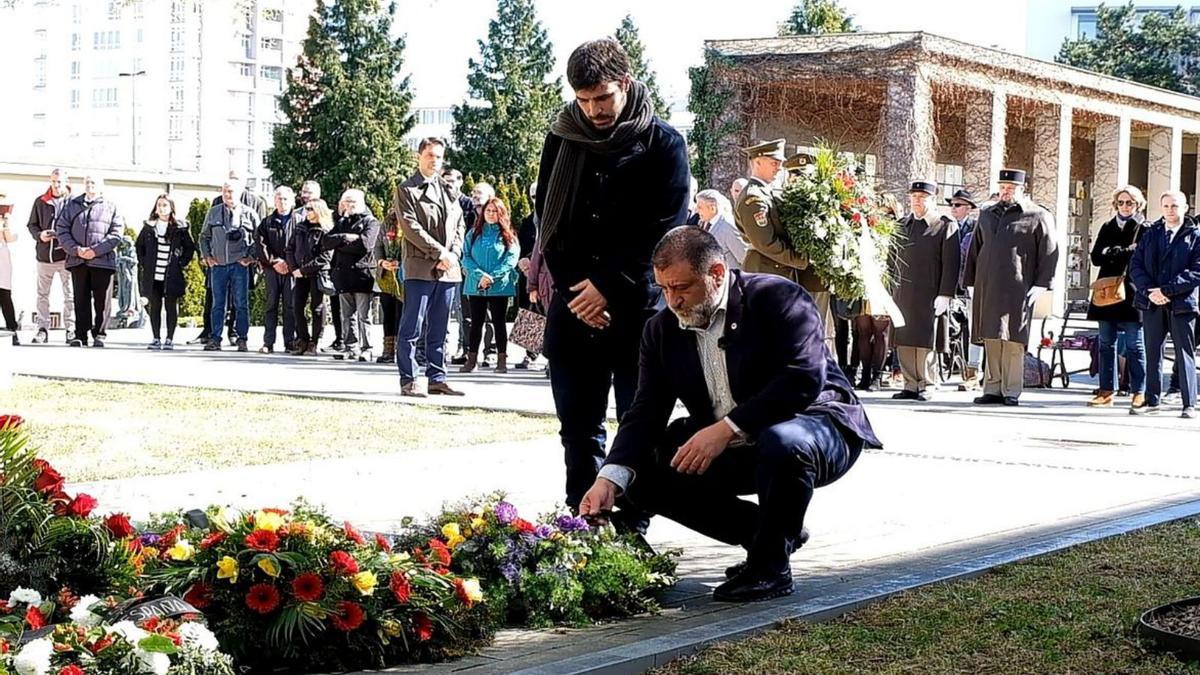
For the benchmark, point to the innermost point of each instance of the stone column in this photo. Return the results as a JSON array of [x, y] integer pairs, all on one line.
[[1111, 170], [905, 137], [1166, 160], [1050, 186], [987, 126]]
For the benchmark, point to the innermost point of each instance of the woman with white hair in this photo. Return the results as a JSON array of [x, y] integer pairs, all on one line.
[[352, 241]]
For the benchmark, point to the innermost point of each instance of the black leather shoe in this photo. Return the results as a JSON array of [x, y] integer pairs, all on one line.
[[906, 395], [750, 586], [734, 570], [1011, 401], [924, 396], [989, 399]]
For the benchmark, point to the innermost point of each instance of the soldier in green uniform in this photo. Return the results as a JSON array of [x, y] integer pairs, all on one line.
[[757, 215]]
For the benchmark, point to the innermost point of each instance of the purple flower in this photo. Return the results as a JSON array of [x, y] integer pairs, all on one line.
[[150, 539], [509, 571], [505, 512], [543, 531], [571, 524]]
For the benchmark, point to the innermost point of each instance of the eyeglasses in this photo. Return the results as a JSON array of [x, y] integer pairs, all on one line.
[[960, 206], [1126, 202]]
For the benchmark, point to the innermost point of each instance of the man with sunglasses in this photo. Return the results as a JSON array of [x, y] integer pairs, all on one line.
[[961, 206]]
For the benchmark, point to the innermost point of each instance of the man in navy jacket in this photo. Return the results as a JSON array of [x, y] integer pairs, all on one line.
[[770, 413], [1166, 273]]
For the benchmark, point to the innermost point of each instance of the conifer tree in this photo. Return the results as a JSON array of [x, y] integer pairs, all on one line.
[[631, 42]]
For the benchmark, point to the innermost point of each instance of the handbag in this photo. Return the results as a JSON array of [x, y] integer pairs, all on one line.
[[325, 284], [529, 330], [1108, 291]]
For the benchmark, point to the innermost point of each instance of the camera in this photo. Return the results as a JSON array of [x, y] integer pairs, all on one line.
[[234, 235]]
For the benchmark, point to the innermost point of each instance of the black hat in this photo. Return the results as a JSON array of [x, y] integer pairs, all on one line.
[[1016, 176], [928, 187], [962, 196]]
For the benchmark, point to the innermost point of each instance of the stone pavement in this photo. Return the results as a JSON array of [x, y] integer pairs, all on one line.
[[954, 482]]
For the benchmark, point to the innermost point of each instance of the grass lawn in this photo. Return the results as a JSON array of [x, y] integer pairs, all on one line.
[[96, 430], [1071, 612]]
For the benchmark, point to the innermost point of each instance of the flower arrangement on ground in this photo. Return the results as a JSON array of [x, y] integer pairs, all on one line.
[[555, 569], [292, 588], [833, 216]]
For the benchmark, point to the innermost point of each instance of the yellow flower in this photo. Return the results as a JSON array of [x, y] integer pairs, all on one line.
[[264, 520], [270, 566], [227, 568], [398, 558], [365, 582], [182, 550], [453, 534], [472, 590], [478, 523]]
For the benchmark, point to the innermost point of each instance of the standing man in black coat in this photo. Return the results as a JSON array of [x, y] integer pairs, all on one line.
[[613, 179], [272, 240]]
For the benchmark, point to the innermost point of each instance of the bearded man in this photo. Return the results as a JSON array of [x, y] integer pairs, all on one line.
[[770, 413]]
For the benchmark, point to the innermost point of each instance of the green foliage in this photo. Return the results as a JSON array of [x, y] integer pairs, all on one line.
[[511, 101], [631, 42], [815, 17], [192, 302], [708, 100], [347, 113], [1157, 48]]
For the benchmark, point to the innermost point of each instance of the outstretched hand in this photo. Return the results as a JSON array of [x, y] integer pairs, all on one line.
[[599, 498], [695, 456]]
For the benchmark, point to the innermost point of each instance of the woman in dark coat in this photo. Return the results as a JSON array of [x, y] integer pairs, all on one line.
[[352, 240], [164, 249], [1115, 244], [309, 263]]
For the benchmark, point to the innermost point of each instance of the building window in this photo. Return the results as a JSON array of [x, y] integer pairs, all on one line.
[[114, 9], [106, 39], [275, 44], [75, 42], [246, 69], [175, 128], [76, 13], [40, 36], [74, 99], [250, 105], [39, 72], [141, 36], [1085, 24], [249, 137], [274, 73], [176, 103], [178, 11], [249, 19], [273, 15], [265, 154], [248, 46], [39, 144], [75, 70], [176, 68], [104, 97]]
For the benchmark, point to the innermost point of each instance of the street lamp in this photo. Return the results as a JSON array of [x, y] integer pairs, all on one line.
[[133, 75]]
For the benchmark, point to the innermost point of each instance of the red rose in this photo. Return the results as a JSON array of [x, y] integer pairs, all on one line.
[[71, 670], [262, 598], [348, 617], [423, 627], [400, 587], [10, 422], [118, 525], [440, 552], [343, 563], [48, 481], [353, 534], [212, 540], [81, 506], [35, 618], [308, 587], [199, 595], [263, 540], [383, 544]]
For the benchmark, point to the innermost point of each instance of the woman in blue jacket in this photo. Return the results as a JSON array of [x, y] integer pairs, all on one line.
[[490, 258]]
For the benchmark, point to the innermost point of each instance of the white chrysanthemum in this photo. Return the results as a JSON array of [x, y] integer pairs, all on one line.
[[25, 596], [34, 658], [199, 636], [153, 662], [82, 613], [129, 631]]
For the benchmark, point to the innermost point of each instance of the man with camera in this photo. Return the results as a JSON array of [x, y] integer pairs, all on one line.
[[226, 242], [51, 258]]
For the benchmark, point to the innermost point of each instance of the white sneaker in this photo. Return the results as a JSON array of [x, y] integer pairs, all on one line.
[[1188, 413]]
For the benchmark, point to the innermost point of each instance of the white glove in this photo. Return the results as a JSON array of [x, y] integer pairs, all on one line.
[[941, 305], [1032, 296]]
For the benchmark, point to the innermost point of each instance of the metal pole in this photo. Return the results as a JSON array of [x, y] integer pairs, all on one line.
[[133, 75]]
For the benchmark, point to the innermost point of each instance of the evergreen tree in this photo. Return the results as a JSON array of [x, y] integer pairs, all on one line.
[[631, 42], [511, 102], [814, 17], [192, 302], [1159, 48], [347, 113]]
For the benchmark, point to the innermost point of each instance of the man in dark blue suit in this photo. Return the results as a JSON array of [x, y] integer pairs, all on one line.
[[1165, 269], [770, 413]]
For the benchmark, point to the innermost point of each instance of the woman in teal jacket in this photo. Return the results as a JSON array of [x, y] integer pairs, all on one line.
[[490, 258]]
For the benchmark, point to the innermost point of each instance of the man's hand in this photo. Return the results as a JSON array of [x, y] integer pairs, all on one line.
[[599, 498], [85, 253], [442, 266], [1157, 297], [523, 265], [280, 267], [589, 304], [46, 235], [599, 322], [695, 456], [246, 262], [296, 273], [533, 296], [210, 261]]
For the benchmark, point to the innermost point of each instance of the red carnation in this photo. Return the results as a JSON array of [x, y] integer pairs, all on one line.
[[440, 552], [400, 587], [118, 525], [423, 627], [81, 506], [523, 525], [343, 563], [263, 540], [308, 587], [199, 595], [48, 481], [353, 534], [101, 644], [349, 616], [383, 544], [71, 670], [212, 540], [856, 217], [35, 618], [10, 422], [262, 598]]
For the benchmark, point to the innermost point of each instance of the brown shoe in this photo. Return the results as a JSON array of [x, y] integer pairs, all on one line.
[[443, 389], [1138, 402], [413, 390], [311, 349], [1103, 399], [501, 364], [467, 367]]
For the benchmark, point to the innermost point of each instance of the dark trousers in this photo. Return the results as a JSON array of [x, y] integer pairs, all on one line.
[[584, 364], [841, 343], [390, 307], [155, 295], [306, 294], [336, 309], [783, 467], [482, 307], [279, 292], [871, 336], [1158, 322], [6, 307], [426, 304], [90, 286]]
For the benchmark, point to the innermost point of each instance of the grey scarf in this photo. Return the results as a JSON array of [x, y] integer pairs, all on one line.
[[581, 138]]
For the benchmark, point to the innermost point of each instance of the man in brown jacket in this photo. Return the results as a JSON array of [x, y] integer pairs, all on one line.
[[432, 223]]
